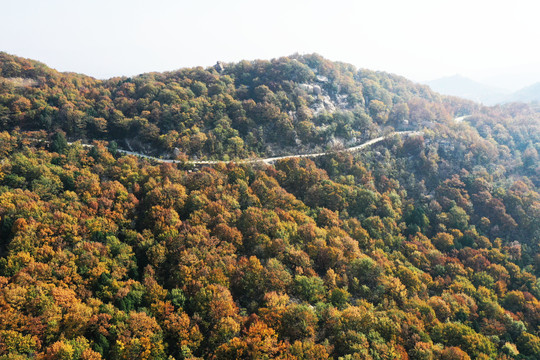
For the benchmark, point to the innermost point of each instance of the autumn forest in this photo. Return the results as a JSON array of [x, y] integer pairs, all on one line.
[[417, 247]]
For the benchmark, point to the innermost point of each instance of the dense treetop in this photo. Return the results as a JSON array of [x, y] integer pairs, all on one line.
[[423, 247]]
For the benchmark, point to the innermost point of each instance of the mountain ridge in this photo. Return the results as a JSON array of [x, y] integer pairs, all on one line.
[[227, 111]]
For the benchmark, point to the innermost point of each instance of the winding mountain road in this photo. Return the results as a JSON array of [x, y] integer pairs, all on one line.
[[273, 159], [461, 118]]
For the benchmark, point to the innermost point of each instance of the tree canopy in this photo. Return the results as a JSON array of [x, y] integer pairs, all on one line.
[[422, 247]]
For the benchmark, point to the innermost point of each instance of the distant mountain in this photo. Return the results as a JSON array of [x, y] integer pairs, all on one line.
[[461, 86], [527, 94], [466, 88]]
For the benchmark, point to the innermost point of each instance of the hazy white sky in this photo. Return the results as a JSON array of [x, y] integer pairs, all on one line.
[[419, 39]]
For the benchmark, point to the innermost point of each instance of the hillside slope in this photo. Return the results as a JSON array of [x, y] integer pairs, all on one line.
[[287, 105], [417, 247]]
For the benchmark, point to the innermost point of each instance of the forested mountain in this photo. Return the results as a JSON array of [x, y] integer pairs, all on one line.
[[420, 247], [227, 111]]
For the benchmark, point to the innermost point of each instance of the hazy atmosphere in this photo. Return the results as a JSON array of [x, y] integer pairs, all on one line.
[[488, 41]]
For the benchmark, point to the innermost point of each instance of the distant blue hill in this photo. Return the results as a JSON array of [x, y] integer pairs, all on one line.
[[527, 94], [463, 87]]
